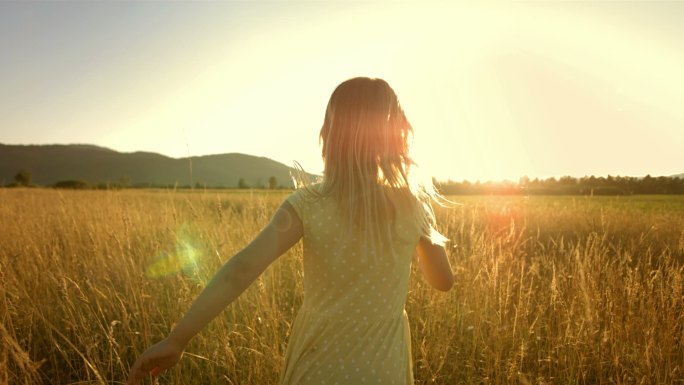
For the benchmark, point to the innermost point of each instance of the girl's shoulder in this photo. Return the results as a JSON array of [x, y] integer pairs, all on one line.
[[305, 196], [308, 192]]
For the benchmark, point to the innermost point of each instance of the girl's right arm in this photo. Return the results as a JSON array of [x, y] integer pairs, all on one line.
[[284, 230], [434, 263]]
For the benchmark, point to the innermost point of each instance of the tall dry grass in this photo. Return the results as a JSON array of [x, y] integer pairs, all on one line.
[[549, 290]]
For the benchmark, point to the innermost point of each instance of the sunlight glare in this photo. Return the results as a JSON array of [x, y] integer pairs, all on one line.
[[186, 258]]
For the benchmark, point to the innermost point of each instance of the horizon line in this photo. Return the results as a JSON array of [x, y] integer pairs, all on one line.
[[442, 180]]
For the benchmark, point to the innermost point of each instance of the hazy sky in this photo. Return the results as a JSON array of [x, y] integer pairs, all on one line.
[[494, 91]]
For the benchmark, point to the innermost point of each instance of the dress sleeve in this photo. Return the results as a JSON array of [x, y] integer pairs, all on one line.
[[297, 201], [429, 228]]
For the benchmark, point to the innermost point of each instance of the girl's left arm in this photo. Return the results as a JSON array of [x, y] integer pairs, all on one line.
[[281, 233]]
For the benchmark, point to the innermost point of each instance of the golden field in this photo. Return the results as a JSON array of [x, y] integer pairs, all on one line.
[[549, 290]]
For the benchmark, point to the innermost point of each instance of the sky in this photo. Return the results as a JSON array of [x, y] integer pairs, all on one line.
[[494, 90]]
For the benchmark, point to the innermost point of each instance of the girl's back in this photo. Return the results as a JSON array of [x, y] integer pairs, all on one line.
[[351, 328]]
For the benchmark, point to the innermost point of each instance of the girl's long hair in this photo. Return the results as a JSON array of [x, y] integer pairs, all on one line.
[[365, 148]]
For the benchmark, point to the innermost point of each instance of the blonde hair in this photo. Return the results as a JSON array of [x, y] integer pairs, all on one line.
[[365, 148]]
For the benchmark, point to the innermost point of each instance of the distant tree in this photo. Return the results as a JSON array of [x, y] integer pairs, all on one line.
[[242, 184], [124, 181], [72, 184], [272, 183], [23, 178]]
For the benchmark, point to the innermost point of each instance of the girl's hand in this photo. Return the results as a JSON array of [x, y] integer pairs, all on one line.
[[155, 360]]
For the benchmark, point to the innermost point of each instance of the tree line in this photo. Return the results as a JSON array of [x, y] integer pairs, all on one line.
[[567, 185], [24, 178]]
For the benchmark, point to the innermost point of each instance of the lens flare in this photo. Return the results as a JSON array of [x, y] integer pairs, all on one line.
[[186, 258]]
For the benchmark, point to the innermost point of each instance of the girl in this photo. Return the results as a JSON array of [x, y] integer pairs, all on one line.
[[360, 227]]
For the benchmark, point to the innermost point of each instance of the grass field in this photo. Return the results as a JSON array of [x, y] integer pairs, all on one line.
[[549, 290]]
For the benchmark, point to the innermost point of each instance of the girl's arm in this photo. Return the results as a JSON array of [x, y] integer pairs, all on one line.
[[434, 264], [283, 231]]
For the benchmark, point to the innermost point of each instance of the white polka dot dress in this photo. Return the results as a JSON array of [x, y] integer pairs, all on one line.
[[352, 327]]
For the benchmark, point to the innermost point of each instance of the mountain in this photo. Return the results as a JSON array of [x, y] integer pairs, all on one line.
[[49, 164], [677, 175]]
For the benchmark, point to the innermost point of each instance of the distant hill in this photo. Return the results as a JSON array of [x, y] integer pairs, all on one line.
[[49, 164], [677, 175]]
